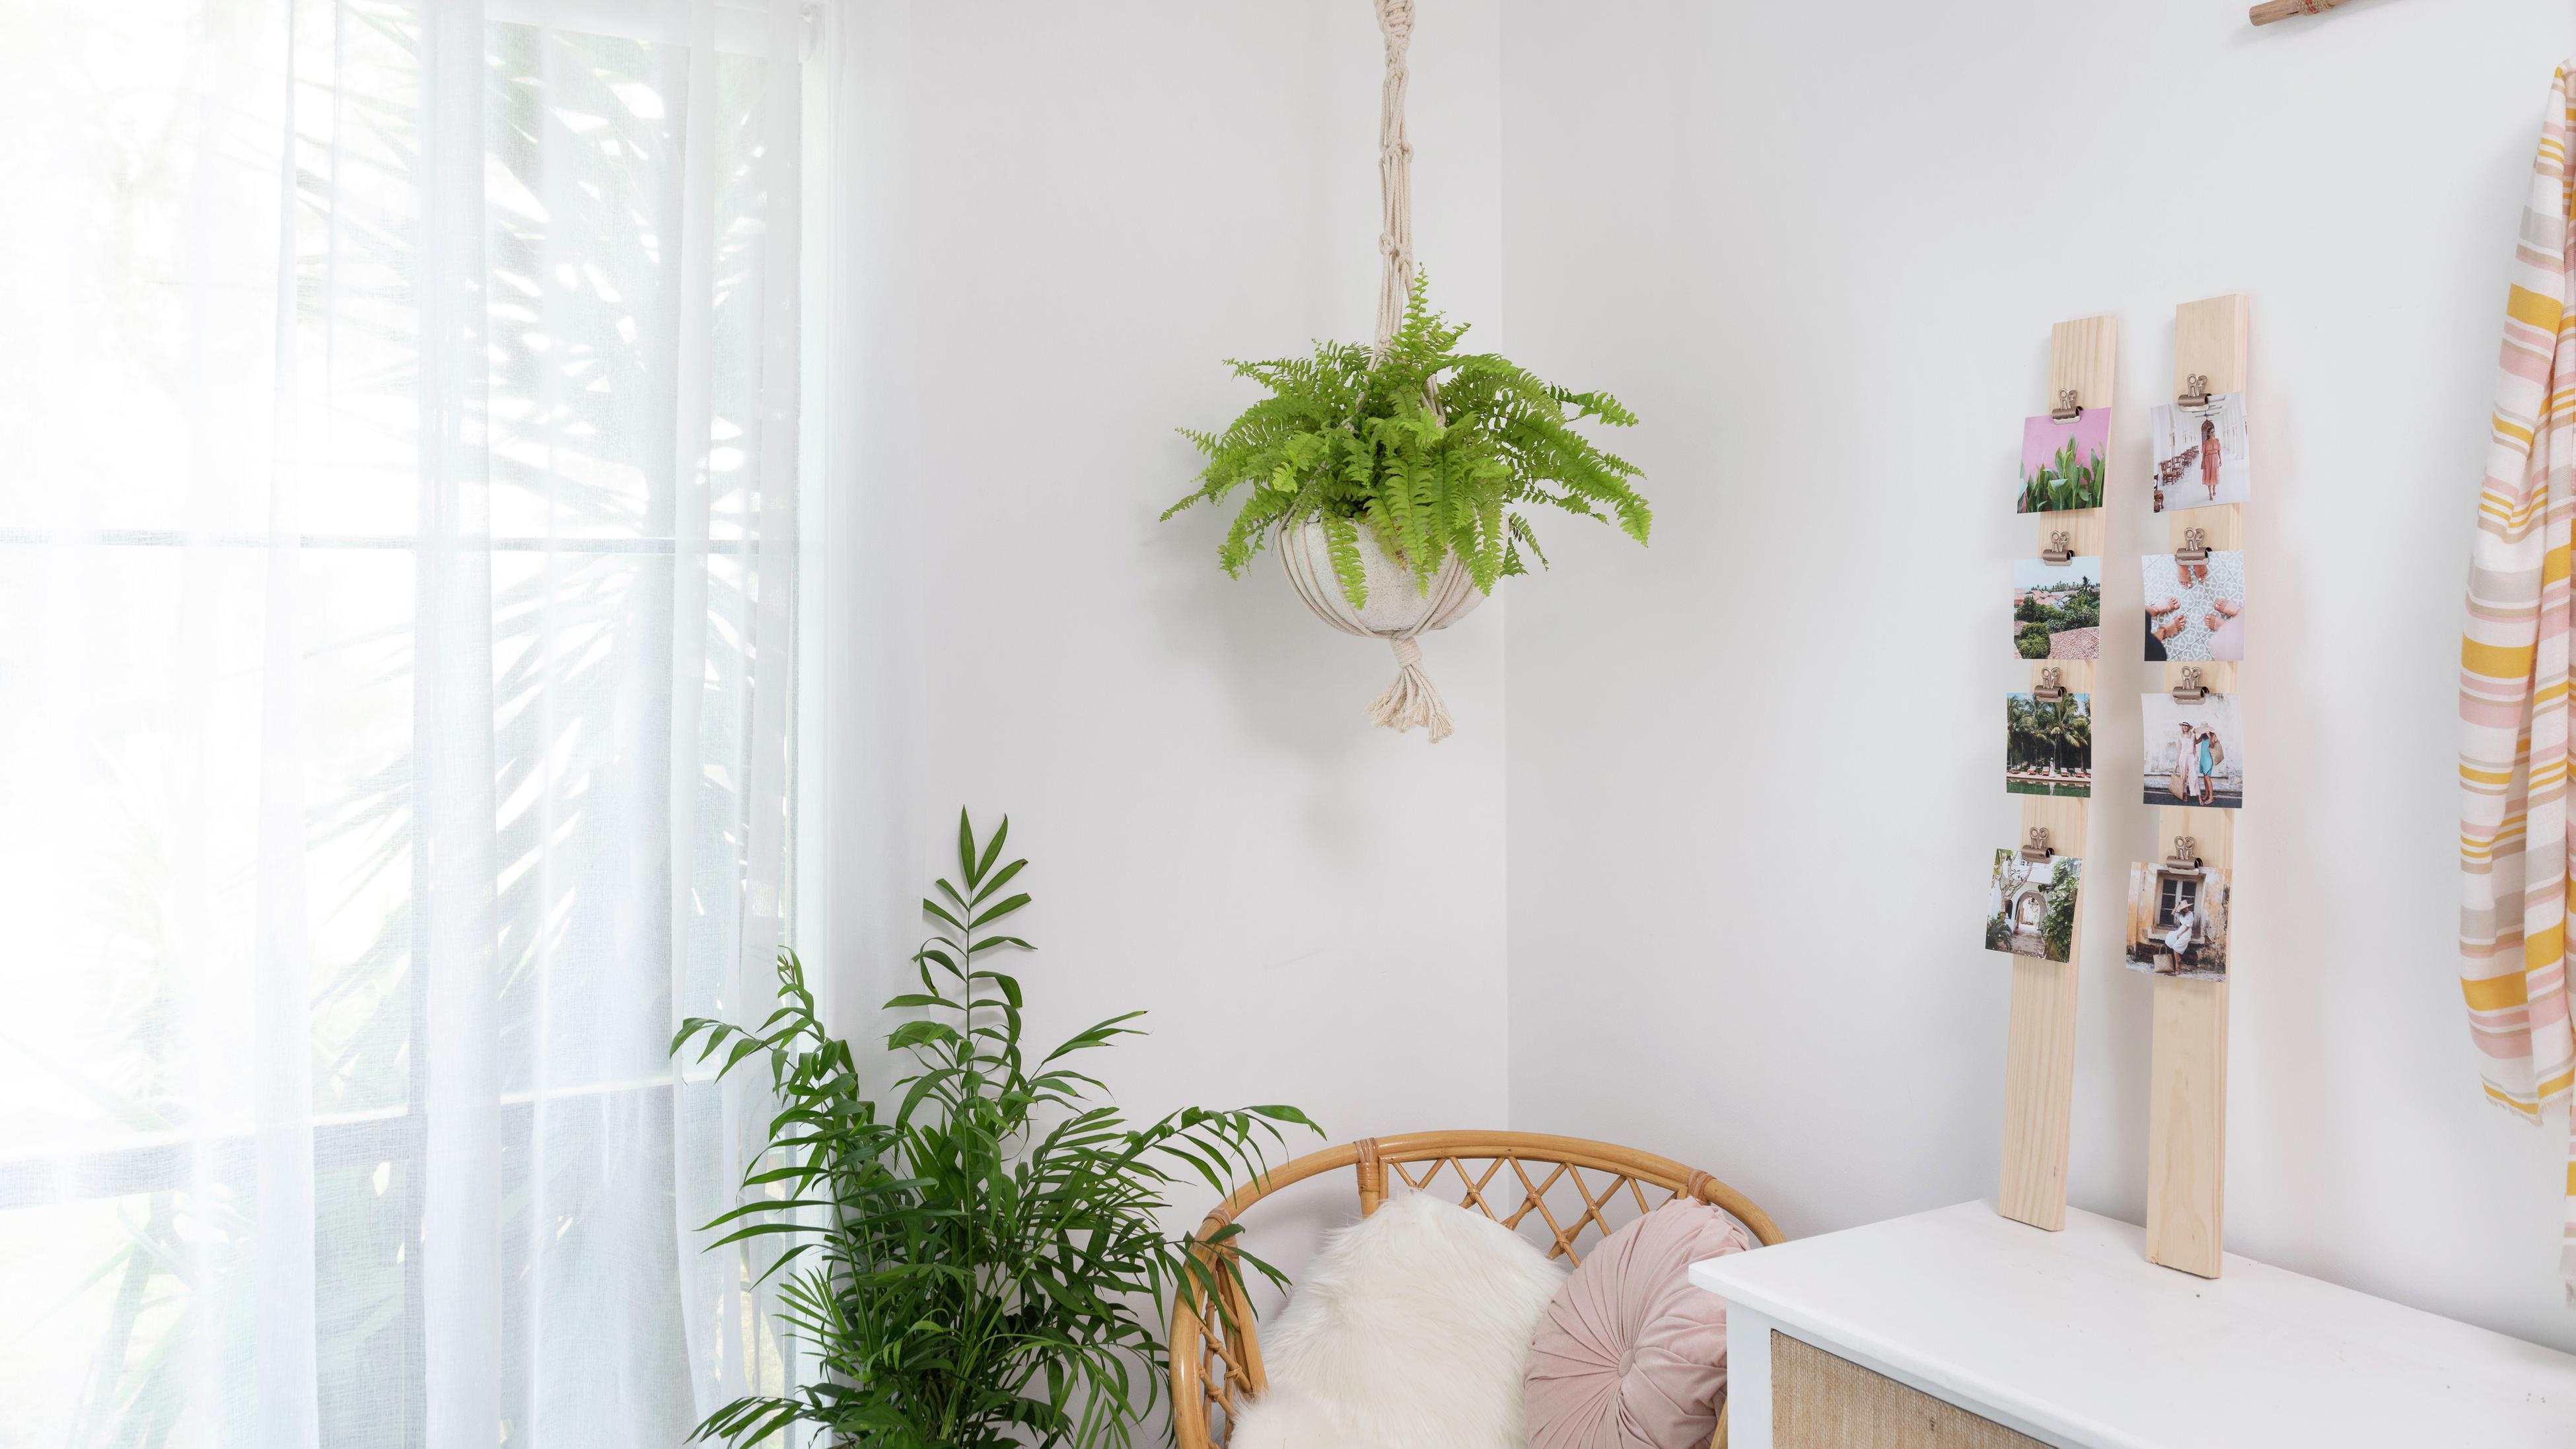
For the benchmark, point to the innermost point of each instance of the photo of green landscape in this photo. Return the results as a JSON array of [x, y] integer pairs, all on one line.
[[2057, 609]]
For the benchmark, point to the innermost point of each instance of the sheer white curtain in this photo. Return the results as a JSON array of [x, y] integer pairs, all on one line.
[[397, 548]]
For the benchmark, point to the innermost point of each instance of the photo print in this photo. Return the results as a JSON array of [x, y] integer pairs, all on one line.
[[2196, 611], [2061, 463], [2048, 745], [2057, 609], [2194, 758], [2177, 921], [2200, 453], [2030, 909]]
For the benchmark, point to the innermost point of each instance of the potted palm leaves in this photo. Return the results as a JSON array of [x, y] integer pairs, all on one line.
[[965, 1264]]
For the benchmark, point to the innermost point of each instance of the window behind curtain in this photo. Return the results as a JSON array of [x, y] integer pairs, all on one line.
[[395, 580]]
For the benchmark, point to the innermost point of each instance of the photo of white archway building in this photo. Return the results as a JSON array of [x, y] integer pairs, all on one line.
[[2030, 905]]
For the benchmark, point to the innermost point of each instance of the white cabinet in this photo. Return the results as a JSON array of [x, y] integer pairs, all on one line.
[[2074, 1339]]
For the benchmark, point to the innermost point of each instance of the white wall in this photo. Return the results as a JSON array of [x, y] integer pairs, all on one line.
[[1752, 771], [1059, 219], [1750, 776]]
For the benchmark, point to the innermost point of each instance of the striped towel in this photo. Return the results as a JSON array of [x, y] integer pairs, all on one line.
[[2514, 676]]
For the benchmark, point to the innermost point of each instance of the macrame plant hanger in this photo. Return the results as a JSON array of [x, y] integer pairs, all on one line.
[[1396, 611]]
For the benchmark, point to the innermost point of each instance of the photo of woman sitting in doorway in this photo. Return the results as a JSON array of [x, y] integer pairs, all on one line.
[[2178, 920]]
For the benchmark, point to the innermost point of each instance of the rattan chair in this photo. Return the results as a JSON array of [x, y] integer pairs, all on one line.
[[1573, 1187]]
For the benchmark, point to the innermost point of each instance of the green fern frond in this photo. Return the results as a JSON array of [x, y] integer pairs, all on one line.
[[1342, 541], [1435, 451], [1524, 538]]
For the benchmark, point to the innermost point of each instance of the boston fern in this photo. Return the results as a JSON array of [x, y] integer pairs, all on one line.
[[967, 1269], [1433, 450]]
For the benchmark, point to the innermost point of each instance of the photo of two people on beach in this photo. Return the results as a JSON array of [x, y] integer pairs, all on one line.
[[2195, 757]]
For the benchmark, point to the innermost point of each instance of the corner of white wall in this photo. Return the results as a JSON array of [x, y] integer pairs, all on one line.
[[1065, 217]]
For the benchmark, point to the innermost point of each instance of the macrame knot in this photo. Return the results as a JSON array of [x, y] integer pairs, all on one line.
[[1411, 701], [1395, 18]]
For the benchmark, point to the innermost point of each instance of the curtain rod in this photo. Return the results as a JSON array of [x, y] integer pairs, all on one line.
[[2271, 10]]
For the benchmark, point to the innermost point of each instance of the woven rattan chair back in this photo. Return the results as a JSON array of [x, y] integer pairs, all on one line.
[[1569, 1191]]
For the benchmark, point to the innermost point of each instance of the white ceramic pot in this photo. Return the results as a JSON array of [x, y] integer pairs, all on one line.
[[1395, 610]]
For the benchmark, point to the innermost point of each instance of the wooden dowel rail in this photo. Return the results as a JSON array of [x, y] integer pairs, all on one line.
[[2271, 10]]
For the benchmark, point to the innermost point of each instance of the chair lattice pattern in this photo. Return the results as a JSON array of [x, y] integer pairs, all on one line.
[[1224, 1379], [1219, 1371], [1566, 1205], [1565, 1201], [1219, 1368]]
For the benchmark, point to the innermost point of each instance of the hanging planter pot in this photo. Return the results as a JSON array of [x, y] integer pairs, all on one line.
[[1439, 449], [1396, 611]]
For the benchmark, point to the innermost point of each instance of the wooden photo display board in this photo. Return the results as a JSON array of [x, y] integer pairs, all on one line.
[[2187, 1064], [2039, 1062]]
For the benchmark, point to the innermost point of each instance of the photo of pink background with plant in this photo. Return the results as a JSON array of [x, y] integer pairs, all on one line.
[[2062, 463]]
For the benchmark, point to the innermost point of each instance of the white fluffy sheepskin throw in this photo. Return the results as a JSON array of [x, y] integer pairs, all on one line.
[[1411, 1330]]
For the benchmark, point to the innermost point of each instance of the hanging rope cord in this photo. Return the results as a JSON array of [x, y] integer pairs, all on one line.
[[1394, 172], [1411, 700]]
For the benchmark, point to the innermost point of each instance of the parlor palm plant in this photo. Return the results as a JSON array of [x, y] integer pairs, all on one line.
[[967, 1266]]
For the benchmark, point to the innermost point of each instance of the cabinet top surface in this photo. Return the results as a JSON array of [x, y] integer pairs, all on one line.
[[2078, 1334]]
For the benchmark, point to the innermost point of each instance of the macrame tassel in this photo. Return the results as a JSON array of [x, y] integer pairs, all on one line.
[[1411, 700]]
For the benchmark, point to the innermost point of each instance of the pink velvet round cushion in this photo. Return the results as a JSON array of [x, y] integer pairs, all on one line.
[[1630, 1355]]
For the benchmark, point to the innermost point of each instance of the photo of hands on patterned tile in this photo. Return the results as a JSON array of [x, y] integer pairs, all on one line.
[[2195, 611]]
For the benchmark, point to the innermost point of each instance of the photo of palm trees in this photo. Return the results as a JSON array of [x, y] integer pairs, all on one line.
[[2061, 463], [2048, 745]]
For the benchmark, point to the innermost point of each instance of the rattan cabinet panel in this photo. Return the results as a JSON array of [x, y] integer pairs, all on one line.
[[1819, 1401]]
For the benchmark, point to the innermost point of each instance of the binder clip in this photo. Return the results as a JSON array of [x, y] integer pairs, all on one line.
[[2067, 409], [2036, 848], [2186, 854], [2195, 394], [2051, 687], [2061, 549], [2195, 547], [2190, 690]]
